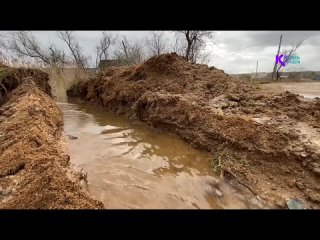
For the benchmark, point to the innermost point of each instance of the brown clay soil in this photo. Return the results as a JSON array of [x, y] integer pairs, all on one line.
[[269, 142], [34, 166]]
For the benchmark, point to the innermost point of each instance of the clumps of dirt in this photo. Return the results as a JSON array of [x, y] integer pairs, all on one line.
[[10, 78], [254, 132], [34, 167]]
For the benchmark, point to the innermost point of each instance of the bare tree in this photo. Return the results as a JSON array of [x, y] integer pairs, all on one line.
[[103, 47], [177, 47], [133, 53], [192, 43], [68, 38], [156, 43], [23, 44], [57, 56], [287, 54]]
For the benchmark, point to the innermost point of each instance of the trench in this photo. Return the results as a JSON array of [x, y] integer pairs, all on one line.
[[131, 166]]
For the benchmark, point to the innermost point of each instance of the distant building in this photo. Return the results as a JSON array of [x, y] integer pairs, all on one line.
[[112, 63], [283, 76], [260, 75], [316, 77]]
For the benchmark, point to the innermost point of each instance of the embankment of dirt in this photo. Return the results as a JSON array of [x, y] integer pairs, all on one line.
[[34, 167], [255, 136]]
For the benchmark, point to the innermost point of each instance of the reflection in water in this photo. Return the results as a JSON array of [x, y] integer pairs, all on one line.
[[132, 166]]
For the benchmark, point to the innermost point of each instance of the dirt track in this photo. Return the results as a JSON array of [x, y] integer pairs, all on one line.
[[268, 142], [34, 168], [306, 89]]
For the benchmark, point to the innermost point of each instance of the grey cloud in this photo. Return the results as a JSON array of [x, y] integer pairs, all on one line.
[[234, 51], [262, 46]]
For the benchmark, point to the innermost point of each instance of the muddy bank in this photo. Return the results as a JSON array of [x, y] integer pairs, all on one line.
[[34, 168], [268, 142]]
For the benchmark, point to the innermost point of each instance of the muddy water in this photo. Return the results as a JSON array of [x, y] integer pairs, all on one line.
[[132, 166]]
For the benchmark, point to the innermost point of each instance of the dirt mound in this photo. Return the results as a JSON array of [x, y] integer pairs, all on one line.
[[168, 72], [34, 168], [3, 65], [10, 78], [167, 64], [255, 135]]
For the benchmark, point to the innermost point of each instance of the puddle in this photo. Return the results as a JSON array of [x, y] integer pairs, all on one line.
[[131, 166]]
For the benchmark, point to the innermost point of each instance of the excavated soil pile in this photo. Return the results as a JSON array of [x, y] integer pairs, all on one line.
[[34, 168], [268, 142]]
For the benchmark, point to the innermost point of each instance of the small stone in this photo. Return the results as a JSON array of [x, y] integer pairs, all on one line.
[[287, 171], [303, 154], [300, 186], [215, 105], [295, 204], [219, 193], [281, 203], [72, 137], [234, 98], [316, 170]]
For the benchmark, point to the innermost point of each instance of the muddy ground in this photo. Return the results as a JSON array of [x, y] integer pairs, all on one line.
[[268, 141], [306, 89], [34, 166]]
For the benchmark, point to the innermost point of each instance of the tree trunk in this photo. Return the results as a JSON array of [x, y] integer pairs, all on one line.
[[188, 46], [125, 49], [275, 64]]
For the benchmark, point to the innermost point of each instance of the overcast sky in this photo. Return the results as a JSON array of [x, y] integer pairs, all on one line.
[[233, 51]]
